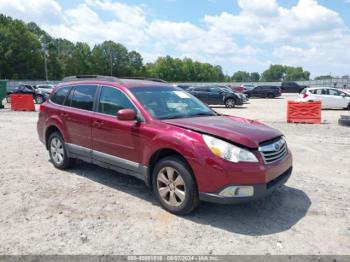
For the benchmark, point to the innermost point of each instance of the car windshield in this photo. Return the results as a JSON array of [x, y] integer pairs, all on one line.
[[170, 103]]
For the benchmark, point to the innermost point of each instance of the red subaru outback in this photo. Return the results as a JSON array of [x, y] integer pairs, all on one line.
[[159, 133]]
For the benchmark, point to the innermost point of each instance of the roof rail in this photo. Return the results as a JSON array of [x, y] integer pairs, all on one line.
[[146, 78], [91, 77]]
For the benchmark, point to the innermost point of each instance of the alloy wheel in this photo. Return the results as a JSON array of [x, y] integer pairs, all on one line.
[[230, 103], [57, 151], [171, 186]]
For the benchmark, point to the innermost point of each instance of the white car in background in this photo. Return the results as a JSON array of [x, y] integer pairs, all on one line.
[[329, 97]]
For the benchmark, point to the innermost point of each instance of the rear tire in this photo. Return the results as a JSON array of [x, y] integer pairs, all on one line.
[[348, 106], [58, 152], [174, 186], [230, 103]]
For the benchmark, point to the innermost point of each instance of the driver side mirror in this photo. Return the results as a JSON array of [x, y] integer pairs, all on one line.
[[126, 114], [343, 95]]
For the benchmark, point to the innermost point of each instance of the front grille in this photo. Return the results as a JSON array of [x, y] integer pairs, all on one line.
[[274, 151]]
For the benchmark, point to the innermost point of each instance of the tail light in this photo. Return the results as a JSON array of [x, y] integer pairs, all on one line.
[[305, 95], [41, 107]]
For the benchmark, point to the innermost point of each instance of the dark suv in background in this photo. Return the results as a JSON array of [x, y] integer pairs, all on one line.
[[292, 87], [264, 91], [213, 95]]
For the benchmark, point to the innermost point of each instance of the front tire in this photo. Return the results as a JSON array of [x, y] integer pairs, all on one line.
[[58, 152], [230, 103], [174, 186]]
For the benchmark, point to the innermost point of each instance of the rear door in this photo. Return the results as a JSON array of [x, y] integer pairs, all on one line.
[[78, 117], [202, 93], [257, 91], [321, 95], [116, 142]]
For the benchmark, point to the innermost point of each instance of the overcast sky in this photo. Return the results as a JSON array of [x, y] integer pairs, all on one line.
[[236, 34]]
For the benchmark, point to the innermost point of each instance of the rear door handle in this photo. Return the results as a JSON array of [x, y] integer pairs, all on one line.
[[97, 123]]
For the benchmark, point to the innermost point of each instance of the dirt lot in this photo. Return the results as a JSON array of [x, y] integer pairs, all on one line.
[[90, 210]]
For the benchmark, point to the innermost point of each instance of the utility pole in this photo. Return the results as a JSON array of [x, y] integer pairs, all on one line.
[[111, 57], [45, 52], [45, 61]]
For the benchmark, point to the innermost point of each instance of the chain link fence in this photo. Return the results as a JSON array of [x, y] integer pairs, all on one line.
[[341, 83]]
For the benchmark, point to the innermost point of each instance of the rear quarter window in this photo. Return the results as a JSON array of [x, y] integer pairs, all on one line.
[[60, 95]]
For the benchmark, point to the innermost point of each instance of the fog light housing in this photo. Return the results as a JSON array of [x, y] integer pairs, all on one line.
[[237, 191]]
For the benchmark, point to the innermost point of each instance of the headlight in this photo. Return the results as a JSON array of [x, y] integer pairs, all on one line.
[[228, 151]]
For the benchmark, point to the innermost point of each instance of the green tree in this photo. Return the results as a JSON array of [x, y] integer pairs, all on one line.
[[274, 73], [79, 62], [135, 65], [241, 76], [20, 51], [254, 76], [296, 74], [282, 72], [110, 58]]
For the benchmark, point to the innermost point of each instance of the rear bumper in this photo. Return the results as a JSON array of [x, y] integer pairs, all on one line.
[[260, 191]]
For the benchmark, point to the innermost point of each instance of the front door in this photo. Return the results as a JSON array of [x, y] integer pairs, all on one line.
[[215, 96], [336, 99], [116, 142]]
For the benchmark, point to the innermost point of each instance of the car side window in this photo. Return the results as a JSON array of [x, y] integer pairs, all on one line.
[[112, 100], [333, 92], [320, 92], [82, 97], [60, 95], [28, 89], [214, 90]]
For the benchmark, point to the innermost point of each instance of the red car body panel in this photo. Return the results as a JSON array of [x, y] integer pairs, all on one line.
[[139, 141]]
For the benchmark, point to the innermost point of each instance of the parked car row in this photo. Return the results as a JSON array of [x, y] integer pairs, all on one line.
[[40, 92]]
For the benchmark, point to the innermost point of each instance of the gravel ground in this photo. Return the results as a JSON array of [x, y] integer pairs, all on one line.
[[91, 210]]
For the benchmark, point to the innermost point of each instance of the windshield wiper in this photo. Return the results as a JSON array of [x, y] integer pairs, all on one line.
[[173, 117], [203, 114]]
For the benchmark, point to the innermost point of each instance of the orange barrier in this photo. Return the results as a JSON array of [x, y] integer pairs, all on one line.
[[22, 102], [304, 112]]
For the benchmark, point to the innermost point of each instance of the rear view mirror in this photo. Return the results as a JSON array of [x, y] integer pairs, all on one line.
[[126, 114]]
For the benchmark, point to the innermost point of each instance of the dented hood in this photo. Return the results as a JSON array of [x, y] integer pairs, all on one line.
[[238, 130]]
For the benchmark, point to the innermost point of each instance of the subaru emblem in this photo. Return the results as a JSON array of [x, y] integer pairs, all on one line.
[[277, 146]]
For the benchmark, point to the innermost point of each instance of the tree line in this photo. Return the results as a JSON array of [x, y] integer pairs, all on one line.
[[23, 47]]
